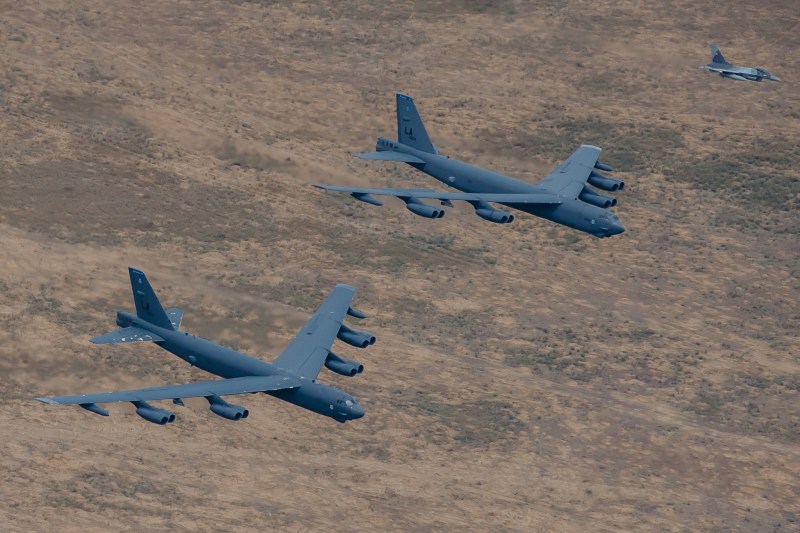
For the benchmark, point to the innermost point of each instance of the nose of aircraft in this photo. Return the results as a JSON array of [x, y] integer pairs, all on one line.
[[356, 411], [615, 229]]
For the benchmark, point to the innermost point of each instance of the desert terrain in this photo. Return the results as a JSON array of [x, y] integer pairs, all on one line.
[[526, 377]]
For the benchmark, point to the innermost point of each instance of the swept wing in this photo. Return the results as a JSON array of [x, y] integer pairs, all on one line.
[[503, 198], [309, 349], [222, 387], [569, 178]]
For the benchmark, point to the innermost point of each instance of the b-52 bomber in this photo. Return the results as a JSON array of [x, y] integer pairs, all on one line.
[[726, 70], [563, 196], [292, 377]]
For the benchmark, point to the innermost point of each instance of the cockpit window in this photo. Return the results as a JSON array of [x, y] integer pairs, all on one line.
[[348, 403]]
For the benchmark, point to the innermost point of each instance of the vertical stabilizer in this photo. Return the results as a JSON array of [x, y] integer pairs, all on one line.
[[410, 129], [147, 305], [716, 55]]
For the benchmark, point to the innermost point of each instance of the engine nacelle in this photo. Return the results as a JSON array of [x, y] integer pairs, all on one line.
[[343, 367], [494, 215], [154, 414], [359, 339], [231, 412], [601, 166], [355, 313], [422, 209], [590, 197], [222, 408], [605, 183]]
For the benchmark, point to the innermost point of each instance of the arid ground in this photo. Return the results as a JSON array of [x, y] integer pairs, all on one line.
[[526, 378]]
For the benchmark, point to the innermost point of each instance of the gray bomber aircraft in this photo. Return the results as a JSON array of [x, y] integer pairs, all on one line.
[[726, 70], [563, 196], [292, 377]]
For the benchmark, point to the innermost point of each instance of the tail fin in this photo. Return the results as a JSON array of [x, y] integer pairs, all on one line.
[[716, 55], [410, 129], [147, 305]]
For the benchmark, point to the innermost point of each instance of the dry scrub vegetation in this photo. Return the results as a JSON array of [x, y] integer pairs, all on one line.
[[526, 377]]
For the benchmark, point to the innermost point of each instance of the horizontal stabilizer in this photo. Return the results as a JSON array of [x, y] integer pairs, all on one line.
[[390, 156], [175, 316], [125, 335]]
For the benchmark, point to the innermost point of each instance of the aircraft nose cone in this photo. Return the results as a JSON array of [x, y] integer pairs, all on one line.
[[356, 412], [616, 229]]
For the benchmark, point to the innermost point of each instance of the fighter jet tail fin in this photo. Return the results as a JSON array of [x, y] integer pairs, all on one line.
[[147, 305], [716, 55], [410, 129]]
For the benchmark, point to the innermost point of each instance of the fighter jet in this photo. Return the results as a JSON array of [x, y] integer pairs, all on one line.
[[292, 377], [563, 196], [726, 70]]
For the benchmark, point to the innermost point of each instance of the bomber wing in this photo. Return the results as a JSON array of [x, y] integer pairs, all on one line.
[[309, 349], [222, 387], [502, 198], [569, 178]]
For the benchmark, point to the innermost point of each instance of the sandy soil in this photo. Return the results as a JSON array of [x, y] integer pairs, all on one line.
[[526, 378]]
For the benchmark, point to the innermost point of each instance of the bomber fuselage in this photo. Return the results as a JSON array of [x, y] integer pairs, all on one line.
[[570, 212], [228, 363]]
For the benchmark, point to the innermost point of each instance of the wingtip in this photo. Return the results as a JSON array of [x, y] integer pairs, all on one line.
[[345, 286], [48, 401], [593, 147]]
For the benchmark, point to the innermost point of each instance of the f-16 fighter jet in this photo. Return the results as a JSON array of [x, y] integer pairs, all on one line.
[[292, 377], [726, 70], [563, 196]]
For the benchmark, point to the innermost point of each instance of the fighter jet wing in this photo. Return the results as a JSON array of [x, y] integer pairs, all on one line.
[[309, 349], [503, 198], [569, 178], [222, 387]]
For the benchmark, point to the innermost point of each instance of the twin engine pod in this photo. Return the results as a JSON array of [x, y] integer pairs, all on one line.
[[220, 407], [590, 197], [359, 339], [341, 366], [154, 414], [161, 417], [487, 212], [604, 182], [422, 209]]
